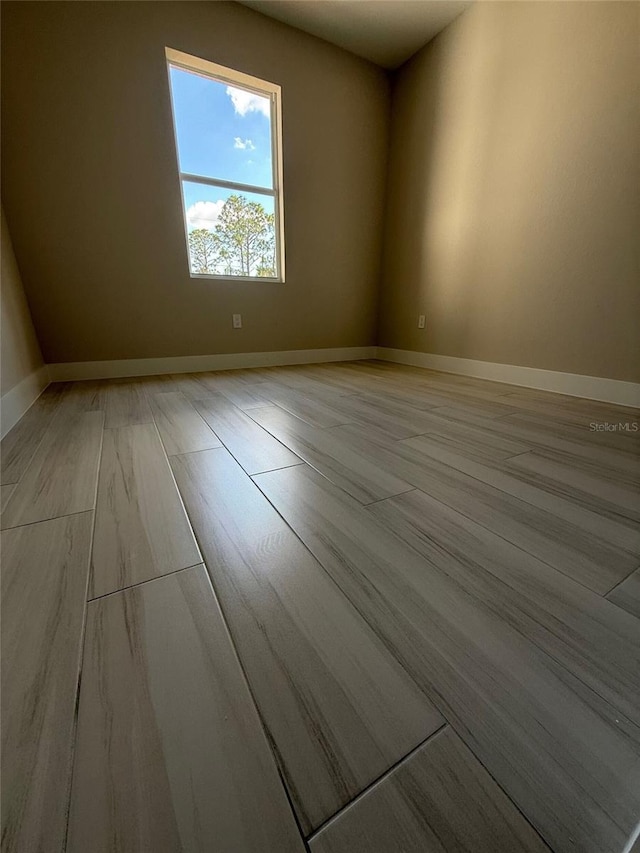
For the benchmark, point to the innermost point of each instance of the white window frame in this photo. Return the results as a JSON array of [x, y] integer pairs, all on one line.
[[222, 74]]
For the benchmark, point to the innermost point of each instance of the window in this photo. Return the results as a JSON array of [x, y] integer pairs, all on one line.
[[229, 146]]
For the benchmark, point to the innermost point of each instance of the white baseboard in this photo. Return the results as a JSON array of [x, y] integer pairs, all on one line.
[[573, 384], [68, 371], [18, 399]]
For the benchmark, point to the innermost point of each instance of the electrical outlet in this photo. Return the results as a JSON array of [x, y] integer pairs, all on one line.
[[237, 321], [421, 321]]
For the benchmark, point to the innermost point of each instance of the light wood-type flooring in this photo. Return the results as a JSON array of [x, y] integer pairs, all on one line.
[[341, 608]]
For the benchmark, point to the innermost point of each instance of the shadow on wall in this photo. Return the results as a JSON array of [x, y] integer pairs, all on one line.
[[512, 199], [441, 153]]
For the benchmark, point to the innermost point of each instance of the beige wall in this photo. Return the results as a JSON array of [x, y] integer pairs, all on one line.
[[512, 207], [20, 353], [513, 210], [92, 196]]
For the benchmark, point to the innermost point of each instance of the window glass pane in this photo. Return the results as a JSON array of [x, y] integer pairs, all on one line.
[[222, 131], [229, 233]]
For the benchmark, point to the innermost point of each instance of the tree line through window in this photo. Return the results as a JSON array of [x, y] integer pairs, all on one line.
[[242, 242]]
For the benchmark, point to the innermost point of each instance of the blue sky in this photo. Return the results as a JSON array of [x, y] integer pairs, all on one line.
[[223, 132]]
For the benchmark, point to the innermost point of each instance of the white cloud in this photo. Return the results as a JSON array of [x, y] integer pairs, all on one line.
[[247, 102], [243, 143], [204, 214]]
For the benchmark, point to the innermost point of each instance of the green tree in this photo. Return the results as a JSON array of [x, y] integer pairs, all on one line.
[[204, 251], [242, 243], [266, 267]]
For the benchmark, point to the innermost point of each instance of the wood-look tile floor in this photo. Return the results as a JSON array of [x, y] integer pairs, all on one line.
[[342, 608]]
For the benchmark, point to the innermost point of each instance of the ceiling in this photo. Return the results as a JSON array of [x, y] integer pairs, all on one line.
[[386, 32]]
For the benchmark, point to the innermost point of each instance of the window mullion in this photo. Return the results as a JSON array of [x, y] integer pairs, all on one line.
[[228, 185]]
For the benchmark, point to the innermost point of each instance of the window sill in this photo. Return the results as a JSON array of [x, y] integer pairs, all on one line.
[[256, 278]]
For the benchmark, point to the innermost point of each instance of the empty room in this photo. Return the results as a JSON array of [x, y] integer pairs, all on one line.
[[320, 411]]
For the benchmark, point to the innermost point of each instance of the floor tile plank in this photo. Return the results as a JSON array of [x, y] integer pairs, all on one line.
[[181, 428], [162, 383], [425, 390], [397, 420], [627, 594], [19, 445], [84, 396], [5, 494], [253, 447], [575, 626], [344, 465], [585, 425], [170, 753], [610, 526], [311, 381], [525, 716], [481, 441], [242, 392], [61, 478], [403, 420], [587, 552], [439, 800], [190, 384], [245, 396], [564, 443], [125, 404], [604, 493], [141, 529], [315, 411], [563, 408], [44, 579], [338, 707]]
